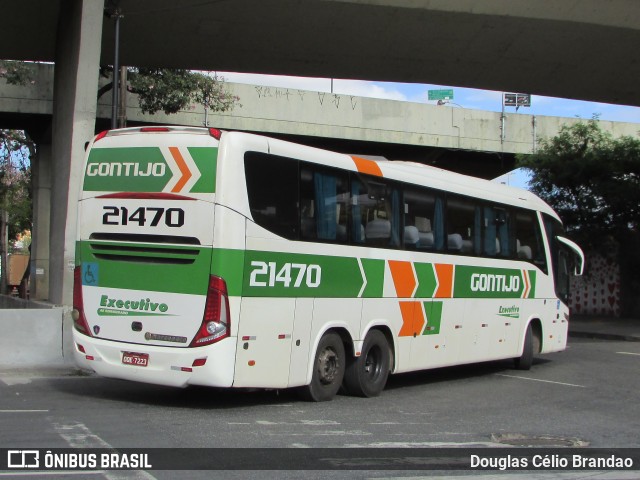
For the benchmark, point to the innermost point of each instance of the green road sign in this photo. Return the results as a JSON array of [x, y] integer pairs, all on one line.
[[444, 94]]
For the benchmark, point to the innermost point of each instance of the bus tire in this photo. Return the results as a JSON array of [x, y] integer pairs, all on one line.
[[366, 375], [328, 369], [524, 361]]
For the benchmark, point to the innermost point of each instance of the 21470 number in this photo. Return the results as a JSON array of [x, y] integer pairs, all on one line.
[[143, 216], [267, 274]]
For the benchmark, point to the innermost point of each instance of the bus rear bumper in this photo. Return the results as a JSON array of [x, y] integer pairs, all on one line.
[[211, 366]]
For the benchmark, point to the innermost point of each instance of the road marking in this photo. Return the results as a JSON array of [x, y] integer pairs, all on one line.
[[23, 411], [628, 353], [426, 445], [539, 380], [13, 381]]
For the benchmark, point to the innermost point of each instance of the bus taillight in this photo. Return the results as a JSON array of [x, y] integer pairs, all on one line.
[[215, 321], [79, 320], [101, 135]]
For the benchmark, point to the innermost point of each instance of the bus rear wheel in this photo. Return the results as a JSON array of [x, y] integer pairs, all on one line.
[[366, 375], [328, 369]]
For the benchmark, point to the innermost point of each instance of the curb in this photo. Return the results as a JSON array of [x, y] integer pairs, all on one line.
[[605, 336]]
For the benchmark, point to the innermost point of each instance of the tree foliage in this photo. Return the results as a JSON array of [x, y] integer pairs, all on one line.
[[590, 178], [171, 90], [593, 181], [16, 150], [15, 73]]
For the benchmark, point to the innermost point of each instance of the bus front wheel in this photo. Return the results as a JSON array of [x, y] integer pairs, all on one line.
[[366, 375], [524, 361], [328, 369]]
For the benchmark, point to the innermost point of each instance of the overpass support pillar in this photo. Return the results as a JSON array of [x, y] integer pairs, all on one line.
[[75, 92], [41, 170]]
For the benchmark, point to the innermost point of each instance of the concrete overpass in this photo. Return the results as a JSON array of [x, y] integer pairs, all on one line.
[[459, 139], [584, 49]]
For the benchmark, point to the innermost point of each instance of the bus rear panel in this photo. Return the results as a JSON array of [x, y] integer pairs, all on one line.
[[146, 306]]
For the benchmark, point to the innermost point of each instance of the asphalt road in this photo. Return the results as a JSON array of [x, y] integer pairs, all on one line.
[[585, 396]]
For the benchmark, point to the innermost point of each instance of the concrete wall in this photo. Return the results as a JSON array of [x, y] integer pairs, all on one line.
[[32, 334], [308, 113]]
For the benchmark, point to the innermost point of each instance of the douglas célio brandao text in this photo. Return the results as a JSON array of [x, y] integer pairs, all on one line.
[[585, 461]]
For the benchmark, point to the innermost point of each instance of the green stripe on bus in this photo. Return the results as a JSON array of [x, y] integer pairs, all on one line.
[[433, 311], [488, 282], [276, 274], [205, 159], [374, 274], [255, 273], [134, 169], [427, 281], [122, 265], [229, 265]]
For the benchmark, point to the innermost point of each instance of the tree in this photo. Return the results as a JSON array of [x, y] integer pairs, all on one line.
[[16, 151], [15, 196], [593, 181], [172, 90], [15, 73]]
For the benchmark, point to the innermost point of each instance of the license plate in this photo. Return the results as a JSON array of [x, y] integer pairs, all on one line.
[[137, 359]]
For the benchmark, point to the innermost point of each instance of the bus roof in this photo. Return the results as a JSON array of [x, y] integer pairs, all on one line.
[[449, 181]]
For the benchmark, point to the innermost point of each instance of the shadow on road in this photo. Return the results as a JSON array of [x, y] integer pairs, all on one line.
[[194, 397]]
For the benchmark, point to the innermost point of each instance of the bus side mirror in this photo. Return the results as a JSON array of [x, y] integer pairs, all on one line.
[[579, 270]]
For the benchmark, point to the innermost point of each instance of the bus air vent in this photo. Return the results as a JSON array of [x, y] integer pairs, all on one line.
[[145, 238], [148, 252]]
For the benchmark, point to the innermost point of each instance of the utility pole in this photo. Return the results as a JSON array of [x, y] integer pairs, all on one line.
[[122, 114], [115, 14]]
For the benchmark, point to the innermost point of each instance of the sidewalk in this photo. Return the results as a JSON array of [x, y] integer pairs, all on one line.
[[605, 328]]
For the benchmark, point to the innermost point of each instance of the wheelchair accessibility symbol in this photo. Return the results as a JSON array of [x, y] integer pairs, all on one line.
[[90, 274]]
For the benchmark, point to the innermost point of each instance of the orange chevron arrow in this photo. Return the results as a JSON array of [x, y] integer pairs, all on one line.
[[184, 169], [527, 284], [412, 319], [444, 272], [403, 278]]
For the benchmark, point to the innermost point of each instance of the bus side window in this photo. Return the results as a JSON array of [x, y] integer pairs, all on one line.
[[359, 203], [423, 228], [381, 214], [273, 194], [496, 232], [463, 232], [324, 201], [529, 244]]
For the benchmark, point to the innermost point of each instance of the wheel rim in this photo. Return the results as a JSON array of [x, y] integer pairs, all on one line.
[[373, 363], [328, 366]]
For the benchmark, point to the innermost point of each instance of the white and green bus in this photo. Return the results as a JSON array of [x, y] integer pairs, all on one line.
[[234, 260]]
